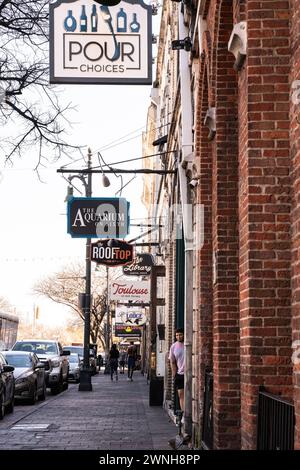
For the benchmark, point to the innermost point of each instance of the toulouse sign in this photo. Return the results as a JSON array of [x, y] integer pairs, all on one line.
[[93, 217], [123, 291], [92, 43], [111, 252]]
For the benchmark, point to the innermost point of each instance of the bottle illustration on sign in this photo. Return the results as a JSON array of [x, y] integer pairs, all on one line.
[[134, 25], [94, 20], [121, 21], [83, 20], [70, 22]]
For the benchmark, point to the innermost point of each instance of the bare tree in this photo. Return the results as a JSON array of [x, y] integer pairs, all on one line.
[[29, 106], [64, 287], [6, 306]]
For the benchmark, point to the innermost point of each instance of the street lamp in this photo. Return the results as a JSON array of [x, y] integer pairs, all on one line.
[[85, 383]]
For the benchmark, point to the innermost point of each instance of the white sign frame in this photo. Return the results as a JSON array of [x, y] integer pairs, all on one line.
[[84, 56], [130, 315]]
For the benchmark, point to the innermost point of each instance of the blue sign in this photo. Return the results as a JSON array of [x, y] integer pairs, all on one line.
[[92, 217]]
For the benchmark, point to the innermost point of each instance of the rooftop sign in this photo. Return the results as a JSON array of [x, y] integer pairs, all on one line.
[[92, 43], [112, 252]]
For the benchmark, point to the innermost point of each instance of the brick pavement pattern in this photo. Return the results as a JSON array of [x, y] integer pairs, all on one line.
[[114, 416]]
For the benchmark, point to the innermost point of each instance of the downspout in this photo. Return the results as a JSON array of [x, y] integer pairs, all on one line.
[[186, 163]]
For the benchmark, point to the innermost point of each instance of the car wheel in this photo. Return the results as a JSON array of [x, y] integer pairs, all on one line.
[[59, 387], [2, 407], [42, 396], [10, 406], [32, 400]]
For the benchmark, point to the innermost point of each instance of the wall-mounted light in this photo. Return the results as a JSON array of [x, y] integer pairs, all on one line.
[[194, 182], [69, 194], [185, 44], [210, 122], [154, 9], [237, 44]]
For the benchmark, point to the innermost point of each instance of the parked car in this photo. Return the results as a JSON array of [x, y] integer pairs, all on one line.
[[29, 375], [79, 350], [74, 368], [55, 359], [7, 387]]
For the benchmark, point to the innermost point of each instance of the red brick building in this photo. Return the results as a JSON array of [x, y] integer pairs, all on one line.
[[244, 69]]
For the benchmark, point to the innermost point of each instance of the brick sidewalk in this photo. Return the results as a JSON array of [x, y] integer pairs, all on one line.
[[115, 415]]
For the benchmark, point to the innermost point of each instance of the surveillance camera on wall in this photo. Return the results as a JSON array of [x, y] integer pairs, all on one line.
[[194, 182]]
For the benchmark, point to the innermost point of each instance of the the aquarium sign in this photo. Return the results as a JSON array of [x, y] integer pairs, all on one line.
[[94, 43]]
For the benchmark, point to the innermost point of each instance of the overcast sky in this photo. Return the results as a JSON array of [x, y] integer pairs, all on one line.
[[34, 239]]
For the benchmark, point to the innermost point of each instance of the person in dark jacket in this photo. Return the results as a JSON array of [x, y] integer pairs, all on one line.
[[113, 361]]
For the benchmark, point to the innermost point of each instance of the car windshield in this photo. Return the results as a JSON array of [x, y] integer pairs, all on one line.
[[18, 360], [38, 347], [73, 358]]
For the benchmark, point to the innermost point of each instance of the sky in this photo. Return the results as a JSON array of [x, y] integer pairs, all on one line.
[[34, 239]]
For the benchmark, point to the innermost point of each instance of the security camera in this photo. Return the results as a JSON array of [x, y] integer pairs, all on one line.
[[193, 183]]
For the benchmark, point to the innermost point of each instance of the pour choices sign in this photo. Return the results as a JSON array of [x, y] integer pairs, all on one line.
[[94, 43]]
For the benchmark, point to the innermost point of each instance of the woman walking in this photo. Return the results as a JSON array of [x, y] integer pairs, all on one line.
[[113, 361]]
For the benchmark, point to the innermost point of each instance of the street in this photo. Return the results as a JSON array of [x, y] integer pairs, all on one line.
[[114, 416]]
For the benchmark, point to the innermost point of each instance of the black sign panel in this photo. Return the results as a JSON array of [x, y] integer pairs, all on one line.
[[112, 252], [126, 330], [141, 266], [92, 217]]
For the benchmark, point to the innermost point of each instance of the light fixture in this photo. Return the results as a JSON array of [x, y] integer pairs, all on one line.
[[194, 182], [154, 9], [105, 179], [185, 44], [210, 122], [237, 44], [69, 194]]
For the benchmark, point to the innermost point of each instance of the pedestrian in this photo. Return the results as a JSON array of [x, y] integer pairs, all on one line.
[[122, 360], [131, 358], [113, 361], [176, 357]]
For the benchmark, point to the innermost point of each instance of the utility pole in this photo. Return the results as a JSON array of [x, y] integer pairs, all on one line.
[[85, 373], [108, 325]]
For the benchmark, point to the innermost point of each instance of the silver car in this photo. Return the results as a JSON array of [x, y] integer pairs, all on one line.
[[29, 375], [74, 367], [52, 355]]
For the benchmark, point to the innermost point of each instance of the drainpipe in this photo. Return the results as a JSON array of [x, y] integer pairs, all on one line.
[[186, 164]]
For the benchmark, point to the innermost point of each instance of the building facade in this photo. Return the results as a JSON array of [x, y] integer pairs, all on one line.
[[225, 116]]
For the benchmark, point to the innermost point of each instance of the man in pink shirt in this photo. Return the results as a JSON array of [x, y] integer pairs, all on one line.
[[176, 357]]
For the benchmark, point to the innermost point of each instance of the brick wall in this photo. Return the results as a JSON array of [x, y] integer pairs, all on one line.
[[264, 210], [204, 257], [225, 240], [246, 188], [295, 214]]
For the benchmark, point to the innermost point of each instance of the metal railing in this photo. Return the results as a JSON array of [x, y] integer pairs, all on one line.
[[275, 422], [207, 429]]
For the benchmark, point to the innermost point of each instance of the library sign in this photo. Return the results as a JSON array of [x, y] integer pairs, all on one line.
[[94, 43]]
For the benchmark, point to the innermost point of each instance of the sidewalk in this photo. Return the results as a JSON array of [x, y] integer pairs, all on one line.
[[115, 415]]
